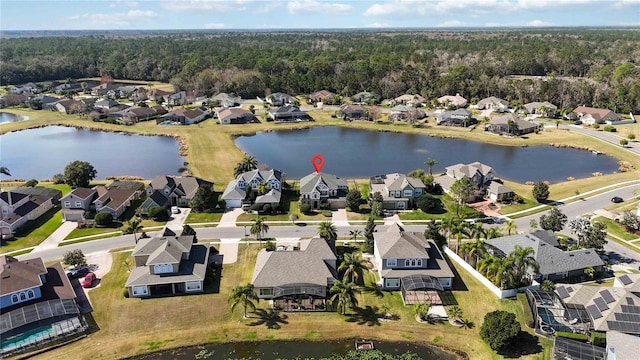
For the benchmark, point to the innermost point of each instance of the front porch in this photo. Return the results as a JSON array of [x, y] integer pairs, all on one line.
[[300, 303]]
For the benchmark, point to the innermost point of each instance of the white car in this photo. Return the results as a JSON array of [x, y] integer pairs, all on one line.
[[175, 210]]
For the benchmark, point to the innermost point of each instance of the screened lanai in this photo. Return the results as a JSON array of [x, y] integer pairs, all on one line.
[[421, 289]]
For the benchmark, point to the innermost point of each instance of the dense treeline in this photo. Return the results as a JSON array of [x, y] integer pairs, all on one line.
[[474, 64]]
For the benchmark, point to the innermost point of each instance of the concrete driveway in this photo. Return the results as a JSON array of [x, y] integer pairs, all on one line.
[[177, 220], [228, 248], [229, 218], [100, 264], [57, 236], [339, 217]]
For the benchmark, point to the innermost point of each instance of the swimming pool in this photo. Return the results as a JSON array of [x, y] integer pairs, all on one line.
[[28, 337], [547, 317]]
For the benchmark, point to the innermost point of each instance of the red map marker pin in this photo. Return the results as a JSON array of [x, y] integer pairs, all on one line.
[[317, 161]]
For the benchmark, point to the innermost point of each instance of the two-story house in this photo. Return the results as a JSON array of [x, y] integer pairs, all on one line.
[[409, 262], [318, 188], [23, 204], [97, 199], [296, 278], [35, 298], [480, 175], [236, 192], [398, 190], [165, 191], [168, 265]]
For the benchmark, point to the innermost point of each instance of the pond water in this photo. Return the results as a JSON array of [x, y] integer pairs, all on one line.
[[356, 153], [9, 117], [271, 350], [43, 152]]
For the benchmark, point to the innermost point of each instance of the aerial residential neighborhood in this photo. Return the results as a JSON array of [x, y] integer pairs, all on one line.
[[324, 195]]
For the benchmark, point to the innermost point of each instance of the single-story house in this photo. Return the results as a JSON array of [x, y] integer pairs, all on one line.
[[168, 265], [398, 190], [226, 100], [353, 112], [511, 124], [23, 204], [415, 100], [43, 102], [157, 94], [71, 87], [27, 88], [136, 114], [103, 89], [458, 117], [184, 116], [544, 108], [499, 192], [409, 262], [106, 104], [321, 96], [234, 115], [296, 278], [406, 113], [288, 113], [165, 191], [7, 100], [493, 103], [590, 116], [235, 192], [280, 99], [455, 101], [366, 97], [555, 264], [320, 188], [100, 198]]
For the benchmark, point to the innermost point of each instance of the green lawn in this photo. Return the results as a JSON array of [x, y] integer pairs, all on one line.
[[76, 233], [195, 217], [34, 231], [195, 319], [615, 228]]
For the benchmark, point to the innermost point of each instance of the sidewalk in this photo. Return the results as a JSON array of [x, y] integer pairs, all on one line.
[[57, 236]]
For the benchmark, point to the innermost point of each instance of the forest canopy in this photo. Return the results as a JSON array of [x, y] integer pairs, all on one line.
[[596, 67]]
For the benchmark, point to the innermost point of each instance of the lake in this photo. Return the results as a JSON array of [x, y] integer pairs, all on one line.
[[43, 152], [356, 153], [271, 350], [9, 117]]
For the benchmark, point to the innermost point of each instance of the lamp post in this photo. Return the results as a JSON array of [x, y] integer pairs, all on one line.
[[245, 233]]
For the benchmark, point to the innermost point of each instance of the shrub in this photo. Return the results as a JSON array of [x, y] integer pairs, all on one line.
[[104, 218], [599, 339], [540, 191], [256, 207], [427, 203], [623, 142], [596, 126], [327, 213], [266, 208], [573, 336], [305, 208], [158, 213], [89, 215], [270, 246], [125, 293], [499, 329], [276, 208], [631, 136], [31, 183], [609, 128]]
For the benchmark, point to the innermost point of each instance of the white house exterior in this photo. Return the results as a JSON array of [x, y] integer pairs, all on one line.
[[17, 208]]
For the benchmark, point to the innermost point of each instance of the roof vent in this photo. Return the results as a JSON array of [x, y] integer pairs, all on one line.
[[571, 254]]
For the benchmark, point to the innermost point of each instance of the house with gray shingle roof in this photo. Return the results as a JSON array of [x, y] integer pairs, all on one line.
[[544, 108], [499, 192], [168, 265], [366, 97], [184, 116], [555, 264], [317, 189], [235, 192], [398, 191], [165, 191], [97, 199], [21, 205], [288, 113], [511, 124], [480, 175], [226, 100], [280, 99], [409, 262], [290, 272], [458, 117]]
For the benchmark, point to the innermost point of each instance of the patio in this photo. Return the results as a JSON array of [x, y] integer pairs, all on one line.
[[306, 303], [417, 289]]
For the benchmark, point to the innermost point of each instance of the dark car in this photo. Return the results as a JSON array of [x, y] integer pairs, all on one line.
[[77, 271], [616, 199], [88, 280]]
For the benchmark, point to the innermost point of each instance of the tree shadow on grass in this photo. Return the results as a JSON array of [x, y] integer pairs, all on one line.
[[270, 319], [523, 344], [368, 315], [373, 289]]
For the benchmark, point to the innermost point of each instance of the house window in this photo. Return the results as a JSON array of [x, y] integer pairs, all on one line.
[[14, 298], [392, 283], [413, 262], [78, 204], [140, 290], [392, 263], [67, 204], [408, 193], [419, 262], [193, 285], [23, 296], [31, 294], [162, 268], [407, 263], [266, 292]]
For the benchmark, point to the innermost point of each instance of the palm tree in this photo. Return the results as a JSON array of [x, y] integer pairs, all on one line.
[[133, 226], [547, 285], [343, 295], [353, 234], [328, 231], [431, 163], [263, 187], [493, 233], [259, 227], [247, 163], [478, 231], [460, 230], [476, 249], [353, 264], [523, 260], [505, 274], [509, 226], [245, 296], [454, 312], [422, 310]]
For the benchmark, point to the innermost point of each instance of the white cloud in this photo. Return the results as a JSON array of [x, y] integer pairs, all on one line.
[[452, 23], [538, 4], [538, 23], [104, 21], [392, 8], [121, 3], [265, 7], [214, 26], [205, 5], [313, 6], [377, 25]]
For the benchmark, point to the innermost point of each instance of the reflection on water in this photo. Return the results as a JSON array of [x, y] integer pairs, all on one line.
[[9, 117], [357, 153]]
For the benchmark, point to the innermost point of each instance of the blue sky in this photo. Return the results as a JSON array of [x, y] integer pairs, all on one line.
[[279, 14]]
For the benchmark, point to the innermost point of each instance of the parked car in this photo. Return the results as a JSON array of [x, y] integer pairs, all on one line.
[[77, 271], [616, 199], [88, 280], [578, 122], [175, 210]]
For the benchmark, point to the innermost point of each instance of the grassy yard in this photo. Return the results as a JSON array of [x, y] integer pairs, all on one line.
[[195, 217], [615, 228], [76, 233], [188, 320], [34, 231]]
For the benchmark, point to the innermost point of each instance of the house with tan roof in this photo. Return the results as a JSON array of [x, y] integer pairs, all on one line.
[[544, 108], [100, 198], [234, 115], [511, 124], [296, 278], [415, 100], [321, 96], [398, 191], [35, 296], [24, 204], [226, 100], [165, 191], [168, 265], [493, 103], [184, 116], [352, 112], [409, 262], [590, 116], [455, 101]]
